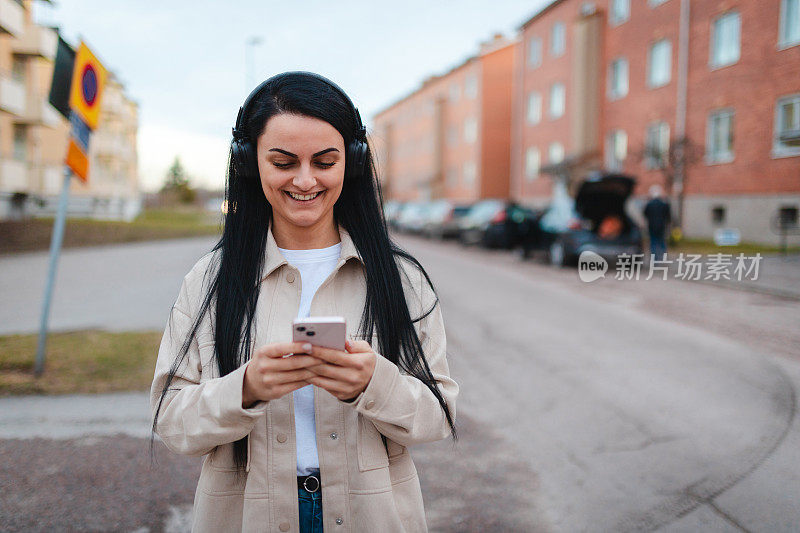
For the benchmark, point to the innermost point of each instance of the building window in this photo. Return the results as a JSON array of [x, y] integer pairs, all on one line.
[[616, 149], [534, 107], [620, 11], [455, 92], [534, 52], [719, 136], [558, 39], [452, 177], [20, 142], [657, 145], [18, 68], [471, 86], [787, 216], [659, 63], [618, 79], [718, 215], [725, 45], [790, 23], [557, 100], [555, 153], [452, 135], [469, 172], [787, 126], [654, 3], [532, 163], [470, 130]]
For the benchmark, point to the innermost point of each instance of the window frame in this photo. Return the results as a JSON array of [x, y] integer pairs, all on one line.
[[663, 125], [783, 43], [711, 158], [550, 153], [538, 96], [712, 47], [610, 92], [779, 151], [650, 62], [562, 42], [532, 176], [612, 19], [550, 100], [538, 63], [612, 163]]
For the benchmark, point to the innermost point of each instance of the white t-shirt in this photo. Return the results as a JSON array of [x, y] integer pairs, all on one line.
[[315, 265]]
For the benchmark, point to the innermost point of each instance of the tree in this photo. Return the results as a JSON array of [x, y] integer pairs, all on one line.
[[672, 163], [176, 184]]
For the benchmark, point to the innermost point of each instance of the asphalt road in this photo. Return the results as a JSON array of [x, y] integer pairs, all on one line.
[[605, 406]]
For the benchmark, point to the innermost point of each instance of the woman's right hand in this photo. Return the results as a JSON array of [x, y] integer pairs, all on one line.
[[270, 375]]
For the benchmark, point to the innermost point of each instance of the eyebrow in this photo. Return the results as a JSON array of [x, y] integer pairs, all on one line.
[[290, 154]]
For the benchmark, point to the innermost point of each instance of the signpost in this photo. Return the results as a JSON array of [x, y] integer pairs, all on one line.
[[81, 106]]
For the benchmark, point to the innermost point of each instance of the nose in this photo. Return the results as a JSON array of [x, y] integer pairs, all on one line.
[[303, 180]]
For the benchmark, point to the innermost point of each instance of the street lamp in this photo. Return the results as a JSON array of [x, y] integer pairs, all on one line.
[[250, 44]]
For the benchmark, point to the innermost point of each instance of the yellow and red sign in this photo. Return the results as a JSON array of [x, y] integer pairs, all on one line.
[[88, 80]]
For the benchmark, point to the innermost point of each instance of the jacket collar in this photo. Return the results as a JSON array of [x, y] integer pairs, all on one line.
[[274, 258]]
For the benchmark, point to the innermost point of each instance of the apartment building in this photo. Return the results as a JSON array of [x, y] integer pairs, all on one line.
[[701, 97], [33, 135], [450, 138]]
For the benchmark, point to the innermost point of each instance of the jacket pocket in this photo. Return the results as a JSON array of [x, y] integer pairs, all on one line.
[[219, 482], [371, 451]]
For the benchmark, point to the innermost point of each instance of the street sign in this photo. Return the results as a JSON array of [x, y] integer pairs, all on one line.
[[727, 237], [88, 80]]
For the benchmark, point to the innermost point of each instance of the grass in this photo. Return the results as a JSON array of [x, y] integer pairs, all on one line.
[[152, 224], [707, 246], [89, 361]]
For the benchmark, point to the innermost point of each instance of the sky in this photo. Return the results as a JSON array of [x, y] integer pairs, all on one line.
[[186, 62]]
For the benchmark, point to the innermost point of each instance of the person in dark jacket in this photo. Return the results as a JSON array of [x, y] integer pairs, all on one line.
[[657, 213]]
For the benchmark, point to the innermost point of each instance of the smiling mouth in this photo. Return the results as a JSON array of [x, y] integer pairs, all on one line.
[[303, 197]]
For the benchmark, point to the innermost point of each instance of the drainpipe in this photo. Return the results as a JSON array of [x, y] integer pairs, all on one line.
[[680, 112]]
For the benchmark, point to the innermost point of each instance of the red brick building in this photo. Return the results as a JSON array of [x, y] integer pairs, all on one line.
[[451, 137], [631, 84]]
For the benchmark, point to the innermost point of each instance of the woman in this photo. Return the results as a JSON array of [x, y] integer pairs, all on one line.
[[292, 443]]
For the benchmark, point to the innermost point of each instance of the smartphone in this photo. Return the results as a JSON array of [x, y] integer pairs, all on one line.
[[325, 331]]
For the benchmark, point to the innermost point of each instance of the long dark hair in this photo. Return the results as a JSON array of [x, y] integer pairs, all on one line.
[[235, 276]]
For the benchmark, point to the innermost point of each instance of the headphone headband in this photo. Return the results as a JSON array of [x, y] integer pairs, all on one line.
[[238, 131]]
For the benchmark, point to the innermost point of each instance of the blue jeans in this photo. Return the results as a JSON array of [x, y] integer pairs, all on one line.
[[310, 510], [658, 246]]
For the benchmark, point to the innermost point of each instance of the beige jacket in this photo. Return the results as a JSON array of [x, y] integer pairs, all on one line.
[[366, 486]]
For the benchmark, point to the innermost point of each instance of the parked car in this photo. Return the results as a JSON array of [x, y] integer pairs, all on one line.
[[391, 210], [412, 217], [494, 223], [442, 219], [594, 220]]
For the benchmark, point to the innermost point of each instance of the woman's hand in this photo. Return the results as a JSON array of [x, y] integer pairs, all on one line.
[[270, 375], [343, 374]]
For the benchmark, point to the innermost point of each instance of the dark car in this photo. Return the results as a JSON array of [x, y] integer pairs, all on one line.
[[442, 219], [494, 223], [594, 221]]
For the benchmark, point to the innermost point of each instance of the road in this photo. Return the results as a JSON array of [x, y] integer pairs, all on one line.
[[606, 406]]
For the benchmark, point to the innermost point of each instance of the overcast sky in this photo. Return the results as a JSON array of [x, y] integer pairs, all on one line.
[[184, 61]]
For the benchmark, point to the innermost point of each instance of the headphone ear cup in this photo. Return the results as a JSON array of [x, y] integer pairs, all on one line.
[[358, 157], [244, 159]]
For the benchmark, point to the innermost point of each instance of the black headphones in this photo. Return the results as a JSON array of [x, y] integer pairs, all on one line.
[[244, 151]]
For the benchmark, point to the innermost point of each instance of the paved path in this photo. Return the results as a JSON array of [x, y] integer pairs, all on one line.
[[608, 406]]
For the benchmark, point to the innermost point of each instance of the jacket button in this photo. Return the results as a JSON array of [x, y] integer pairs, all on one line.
[[290, 277], [334, 435], [282, 438], [284, 526], [370, 404], [339, 521]]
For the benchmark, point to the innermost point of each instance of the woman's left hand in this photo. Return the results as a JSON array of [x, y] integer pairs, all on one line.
[[345, 374]]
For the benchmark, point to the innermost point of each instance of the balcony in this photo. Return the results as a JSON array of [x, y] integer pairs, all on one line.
[[39, 112], [12, 17], [14, 175], [36, 41], [12, 94]]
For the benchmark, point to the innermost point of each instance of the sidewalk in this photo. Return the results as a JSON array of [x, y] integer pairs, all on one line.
[[778, 275]]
